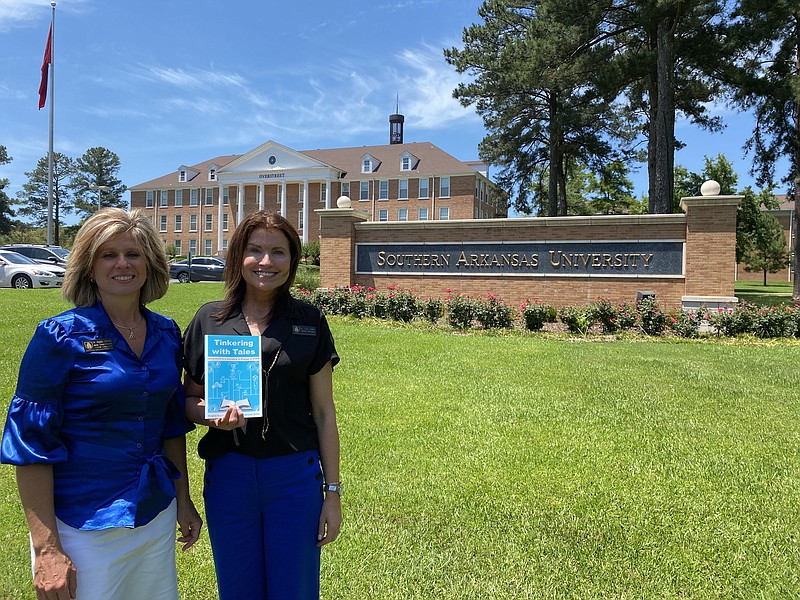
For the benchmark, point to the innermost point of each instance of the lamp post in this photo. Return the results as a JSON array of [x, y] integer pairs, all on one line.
[[99, 189]]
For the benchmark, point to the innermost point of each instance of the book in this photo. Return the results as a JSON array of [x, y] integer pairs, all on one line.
[[233, 374]]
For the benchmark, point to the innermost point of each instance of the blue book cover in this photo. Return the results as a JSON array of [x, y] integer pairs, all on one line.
[[233, 374]]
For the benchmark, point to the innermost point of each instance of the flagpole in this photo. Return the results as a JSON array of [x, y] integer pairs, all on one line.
[[50, 146]]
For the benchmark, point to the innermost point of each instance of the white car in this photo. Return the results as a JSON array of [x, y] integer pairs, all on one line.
[[18, 271]]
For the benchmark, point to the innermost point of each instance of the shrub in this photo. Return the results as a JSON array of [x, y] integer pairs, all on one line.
[[606, 313], [401, 306], [493, 314], [577, 320], [536, 314], [626, 316], [685, 323], [734, 322], [651, 317], [774, 321], [460, 311], [431, 309], [310, 252]]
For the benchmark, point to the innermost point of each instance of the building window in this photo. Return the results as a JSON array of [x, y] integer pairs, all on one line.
[[192, 222], [224, 221], [322, 189], [177, 245], [423, 188], [162, 224], [383, 190], [207, 249], [346, 188], [182, 175], [148, 201], [405, 163], [224, 245], [164, 199], [209, 196], [403, 190], [209, 222], [383, 214], [364, 190], [193, 247], [300, 220], [444, 187], [444, 213], [193, 197], [366, 166], [226, 196], [178, 222], [402, 214], [422, 214], [212, 174], [178, 197]]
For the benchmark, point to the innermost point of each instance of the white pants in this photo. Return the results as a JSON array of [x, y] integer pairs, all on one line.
[[125, 564]]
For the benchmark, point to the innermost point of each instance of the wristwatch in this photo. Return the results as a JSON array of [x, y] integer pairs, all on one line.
[[333, 487]]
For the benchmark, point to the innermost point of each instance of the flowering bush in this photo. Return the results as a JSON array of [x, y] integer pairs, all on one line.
[[626, 316], [577, 320], [606, 313], [401, 306], [774, 321], [460, 311], [651, 317], [431, 309], [536, 314], [685, 323], [493, 314], [734, 322]]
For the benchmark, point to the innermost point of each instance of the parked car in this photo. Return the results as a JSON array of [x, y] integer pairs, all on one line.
[[203, 268], [41, 253], [19, 271]]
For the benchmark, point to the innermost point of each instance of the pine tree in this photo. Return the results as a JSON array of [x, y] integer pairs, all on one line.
[[6, 223], [98, 167], [32, 199]]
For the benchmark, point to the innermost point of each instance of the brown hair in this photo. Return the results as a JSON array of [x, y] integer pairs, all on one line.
[[234, 282], [105, 225]]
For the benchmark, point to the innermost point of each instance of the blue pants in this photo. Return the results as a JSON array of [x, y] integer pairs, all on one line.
[[262, 516]]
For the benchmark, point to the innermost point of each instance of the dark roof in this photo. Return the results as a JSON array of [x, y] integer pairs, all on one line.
[[170, 180]]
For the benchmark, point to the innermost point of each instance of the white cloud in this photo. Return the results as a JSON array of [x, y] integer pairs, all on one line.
[[19, 12]]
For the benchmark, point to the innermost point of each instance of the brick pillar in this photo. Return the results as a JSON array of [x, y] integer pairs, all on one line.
[[710, 249], [337, 244]]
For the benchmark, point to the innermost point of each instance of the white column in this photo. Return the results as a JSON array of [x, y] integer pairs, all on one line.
[[240, 202], [283, 198], [305, 210], [260, 196], [219, 219], [328, 192]]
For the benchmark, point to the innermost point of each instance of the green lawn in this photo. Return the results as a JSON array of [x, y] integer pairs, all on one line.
[[512, 465], [771, 295]]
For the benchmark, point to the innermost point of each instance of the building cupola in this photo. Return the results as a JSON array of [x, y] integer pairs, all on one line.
[[396, 126]]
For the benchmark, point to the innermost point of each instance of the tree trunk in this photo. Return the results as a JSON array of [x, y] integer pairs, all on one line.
[[765, 278], [796, 160], [662, 178], [552, 185]]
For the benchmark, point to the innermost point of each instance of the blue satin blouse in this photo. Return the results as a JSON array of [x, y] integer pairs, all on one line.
[[99, 414]]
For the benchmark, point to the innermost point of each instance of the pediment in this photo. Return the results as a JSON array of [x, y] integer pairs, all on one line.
[[271, 156]]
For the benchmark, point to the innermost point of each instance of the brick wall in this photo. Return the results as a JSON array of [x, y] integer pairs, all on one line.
[[708, 230]]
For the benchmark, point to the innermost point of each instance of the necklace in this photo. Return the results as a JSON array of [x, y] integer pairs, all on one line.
[[131, 335]]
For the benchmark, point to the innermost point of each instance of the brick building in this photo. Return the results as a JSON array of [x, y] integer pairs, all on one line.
[[785, 214], [395, 182]]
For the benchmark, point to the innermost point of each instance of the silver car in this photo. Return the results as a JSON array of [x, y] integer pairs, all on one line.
[[18, 271]]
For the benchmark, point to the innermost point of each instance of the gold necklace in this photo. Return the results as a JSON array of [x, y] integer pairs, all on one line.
[[131, 335]]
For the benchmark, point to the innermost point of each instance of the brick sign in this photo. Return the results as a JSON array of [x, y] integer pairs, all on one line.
[[640, 258]]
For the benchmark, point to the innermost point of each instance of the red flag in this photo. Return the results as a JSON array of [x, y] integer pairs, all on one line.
[[48, 58]]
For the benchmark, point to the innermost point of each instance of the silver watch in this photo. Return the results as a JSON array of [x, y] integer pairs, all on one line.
[[333, 487]]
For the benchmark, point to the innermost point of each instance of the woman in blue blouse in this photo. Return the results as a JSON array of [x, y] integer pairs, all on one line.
[[97, 426]]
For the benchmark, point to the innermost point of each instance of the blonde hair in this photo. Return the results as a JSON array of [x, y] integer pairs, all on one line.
[[101, 227]]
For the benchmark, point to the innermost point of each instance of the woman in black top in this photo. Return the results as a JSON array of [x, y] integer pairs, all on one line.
[[272, 483]]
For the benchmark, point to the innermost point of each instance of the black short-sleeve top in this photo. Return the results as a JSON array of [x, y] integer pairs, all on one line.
[[300, 337]]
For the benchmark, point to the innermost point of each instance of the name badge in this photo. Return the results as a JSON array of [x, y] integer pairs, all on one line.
[[304, 330], [98, 345]]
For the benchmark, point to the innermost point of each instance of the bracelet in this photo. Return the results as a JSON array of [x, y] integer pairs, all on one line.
[[333, 486]]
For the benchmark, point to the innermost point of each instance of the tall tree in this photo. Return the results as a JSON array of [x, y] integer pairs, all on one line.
[[766, 251], [687, 183], [612, 190], [767, 81], [672, 51], [95, 183], [6, 223], [537, 69], [32, 199]]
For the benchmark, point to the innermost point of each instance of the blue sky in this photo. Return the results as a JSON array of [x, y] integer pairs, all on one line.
[[170, 83]]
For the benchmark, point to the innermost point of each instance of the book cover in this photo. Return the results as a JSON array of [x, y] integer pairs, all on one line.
[[233, 374]]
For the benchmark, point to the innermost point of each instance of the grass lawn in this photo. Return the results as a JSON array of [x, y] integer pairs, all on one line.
[[772, 294], [515, 465]]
